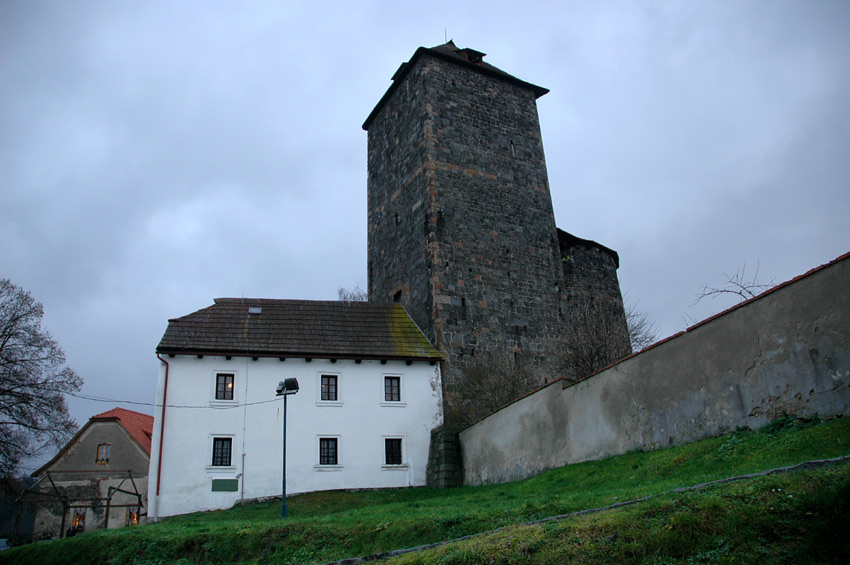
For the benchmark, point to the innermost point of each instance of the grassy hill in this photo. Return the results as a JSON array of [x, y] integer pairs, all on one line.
[[791, 517]]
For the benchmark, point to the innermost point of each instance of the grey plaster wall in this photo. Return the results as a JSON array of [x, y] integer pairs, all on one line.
[[124, 453], [787, 350], [83, 481]]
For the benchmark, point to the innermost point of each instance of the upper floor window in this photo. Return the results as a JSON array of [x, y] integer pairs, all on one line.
[[329, 387], [102, 454], [222, 447], [392, 389], [224, 386]]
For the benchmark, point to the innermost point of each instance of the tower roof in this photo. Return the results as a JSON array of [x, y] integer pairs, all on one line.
[[465, 57]]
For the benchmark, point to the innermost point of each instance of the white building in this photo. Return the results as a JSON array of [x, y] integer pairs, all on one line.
[[370, 394]]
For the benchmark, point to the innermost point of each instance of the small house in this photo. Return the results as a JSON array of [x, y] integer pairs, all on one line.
[[98, 479]]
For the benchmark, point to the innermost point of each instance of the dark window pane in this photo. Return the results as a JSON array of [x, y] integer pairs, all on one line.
[[221, 451], [223, 387], [329, 387], [327, 451], [392, 389], [392, 447]]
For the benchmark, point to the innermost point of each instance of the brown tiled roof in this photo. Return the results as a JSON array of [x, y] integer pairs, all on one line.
[[139, 425], [298, 328], [469, 58]]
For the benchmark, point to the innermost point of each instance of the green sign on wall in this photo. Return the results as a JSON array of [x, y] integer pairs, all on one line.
[[225, 485]]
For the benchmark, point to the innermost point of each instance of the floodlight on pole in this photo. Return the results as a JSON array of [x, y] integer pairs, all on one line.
[[284, 389]]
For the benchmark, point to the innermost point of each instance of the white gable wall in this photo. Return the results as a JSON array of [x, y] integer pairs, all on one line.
[[361, 419]]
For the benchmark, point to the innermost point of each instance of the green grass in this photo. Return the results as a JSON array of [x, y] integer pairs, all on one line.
[[745, 521]]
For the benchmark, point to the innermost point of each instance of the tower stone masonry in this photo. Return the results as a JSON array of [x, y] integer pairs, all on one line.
[[461, 229]]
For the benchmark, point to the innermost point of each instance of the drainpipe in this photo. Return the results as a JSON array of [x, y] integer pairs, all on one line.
[[161, 433]]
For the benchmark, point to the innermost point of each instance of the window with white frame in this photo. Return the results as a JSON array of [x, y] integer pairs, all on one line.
[[329, 388], [328, 451], [392, 451], [222, 449], [392, 388], [224, 385]]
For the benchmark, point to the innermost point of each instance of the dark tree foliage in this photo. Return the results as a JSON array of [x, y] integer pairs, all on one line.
[[33, 378]]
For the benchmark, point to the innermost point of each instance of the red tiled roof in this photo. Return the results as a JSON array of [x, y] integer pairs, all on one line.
[[139, 425]]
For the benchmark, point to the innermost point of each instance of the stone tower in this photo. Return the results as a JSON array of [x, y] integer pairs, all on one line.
[[461, 228]]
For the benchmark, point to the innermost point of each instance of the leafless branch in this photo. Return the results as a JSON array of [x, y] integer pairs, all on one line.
[[737, 284], [487, 383], [356, 294], [642, 331], [33, 378]]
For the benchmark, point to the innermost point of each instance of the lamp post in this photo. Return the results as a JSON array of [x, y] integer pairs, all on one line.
[[284, 389]]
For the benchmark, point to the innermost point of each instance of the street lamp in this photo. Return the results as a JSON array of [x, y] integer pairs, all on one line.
[[284, 389]]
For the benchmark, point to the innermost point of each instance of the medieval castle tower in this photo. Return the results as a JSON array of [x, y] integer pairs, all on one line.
[[461, 227]]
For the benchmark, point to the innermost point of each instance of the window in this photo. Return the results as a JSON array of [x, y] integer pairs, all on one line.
[[132, 515], [328, 449], [78, 522], [392, 451], [329, 389], [102, 454], [392, 389], [221, 451], [224, 386]]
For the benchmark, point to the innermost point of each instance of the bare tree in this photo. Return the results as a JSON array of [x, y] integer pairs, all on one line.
[[596, 335], [356, 294], [488, 383], [642, 331], [737, 284], [33, 378]]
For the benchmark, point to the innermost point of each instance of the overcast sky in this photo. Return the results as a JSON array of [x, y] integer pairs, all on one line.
[[157, 155]]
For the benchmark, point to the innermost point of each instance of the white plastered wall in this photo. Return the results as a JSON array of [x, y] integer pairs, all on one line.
[[360, 419]]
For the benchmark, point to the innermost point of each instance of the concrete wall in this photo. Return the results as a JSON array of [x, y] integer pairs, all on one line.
[[360, 419], [787, 350]]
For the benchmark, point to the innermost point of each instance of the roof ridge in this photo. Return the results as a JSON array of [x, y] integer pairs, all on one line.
[[103, 415]]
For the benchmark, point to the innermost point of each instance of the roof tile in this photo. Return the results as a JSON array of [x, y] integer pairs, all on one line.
[[139, 425]]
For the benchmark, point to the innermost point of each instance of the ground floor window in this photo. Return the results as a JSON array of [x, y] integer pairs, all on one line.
[[78, 521], [392, 451], [328, 451], [221, 451]]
